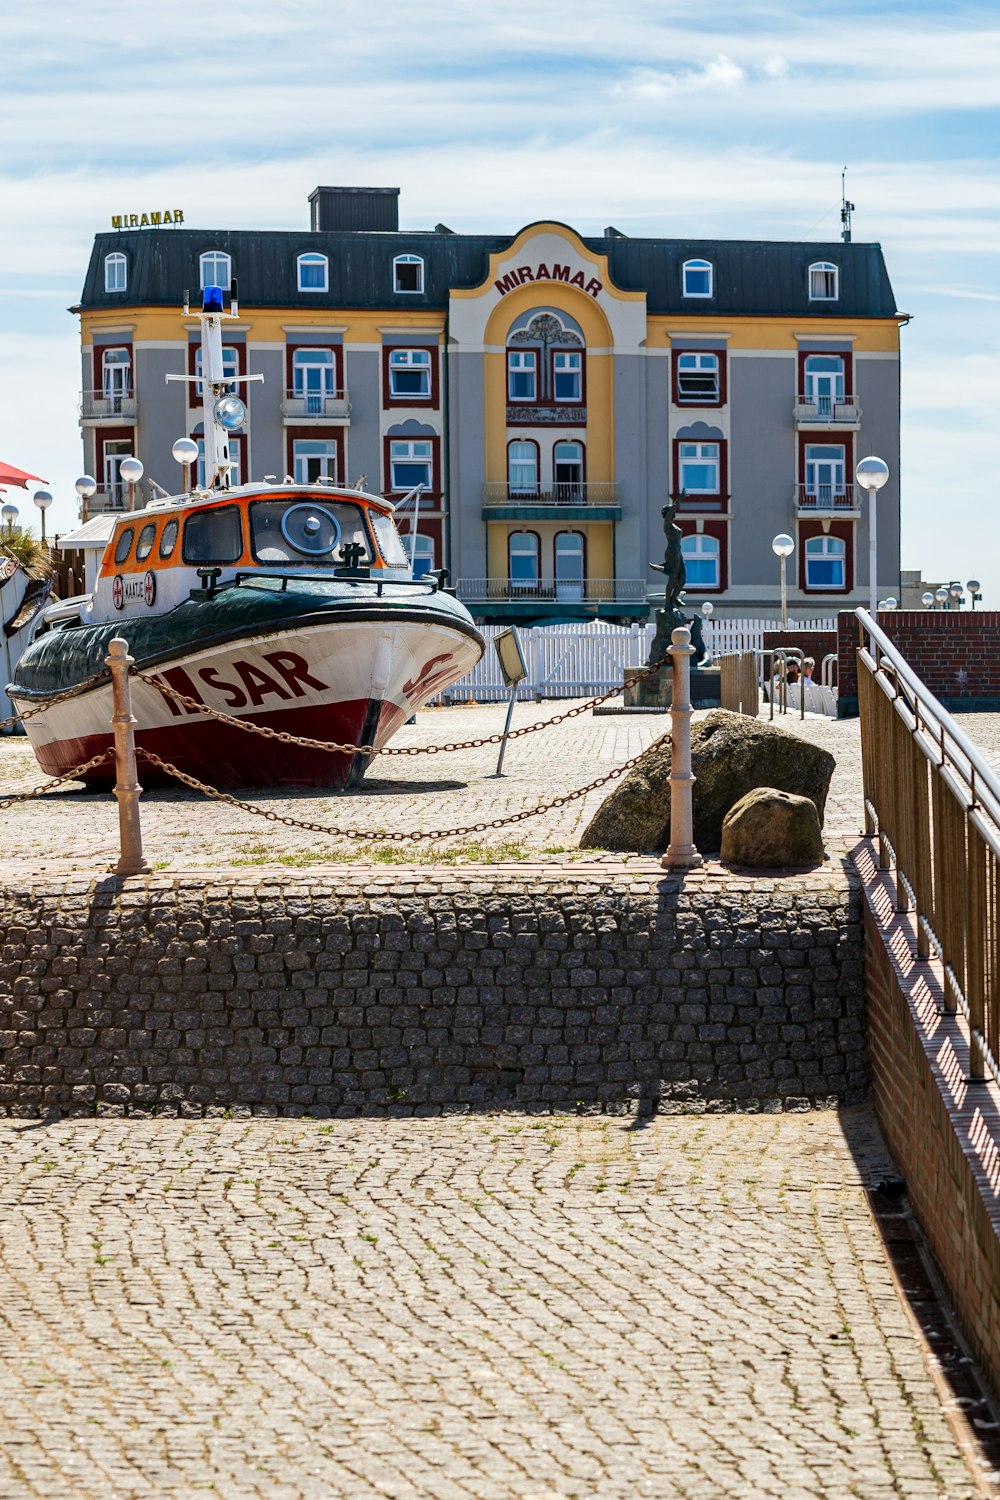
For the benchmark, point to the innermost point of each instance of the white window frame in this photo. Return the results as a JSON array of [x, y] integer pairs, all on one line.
[[230, 367], [830, 548], [111, 388], [216, 258], [705, 453], [834, 454], [410, 451], [534, 551], [408, 260], [823, 275], [702, 549], [703, 364], [569, 586], [697, 267], [410, 360], [567, 362], [815, 378], [522, 362], [115, 272], [314, 260], [521, 485], [329, 458], [423, 551]]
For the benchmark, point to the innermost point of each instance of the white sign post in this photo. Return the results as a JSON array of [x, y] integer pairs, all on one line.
[[514, 670]]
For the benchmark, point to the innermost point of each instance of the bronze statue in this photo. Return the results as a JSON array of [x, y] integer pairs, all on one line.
[[672, 566]]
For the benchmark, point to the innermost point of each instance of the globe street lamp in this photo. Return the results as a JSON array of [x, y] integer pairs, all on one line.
[[975, 590], [871, 474], [942, 596], [783, 546], [185, 451], [927, 600], [957, 593], [131, 471], [9, 515], [43, 500], [85, 486]]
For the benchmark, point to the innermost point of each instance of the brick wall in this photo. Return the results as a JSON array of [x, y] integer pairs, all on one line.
[[955, 652], [814, 643], [429, 990], [942, 1134]]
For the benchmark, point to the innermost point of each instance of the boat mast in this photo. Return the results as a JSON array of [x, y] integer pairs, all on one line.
[[222, 412]]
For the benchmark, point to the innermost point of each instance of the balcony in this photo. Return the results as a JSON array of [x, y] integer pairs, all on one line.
[[107, 406], [819, 413], [516, 599], [114, 497], [825, 500], [301, 408], [599, 501]]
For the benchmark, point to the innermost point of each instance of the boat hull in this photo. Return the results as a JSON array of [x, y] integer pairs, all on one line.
[[343, 680]]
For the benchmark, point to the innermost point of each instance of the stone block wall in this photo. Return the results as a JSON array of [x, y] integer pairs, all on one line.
[[425, 990]]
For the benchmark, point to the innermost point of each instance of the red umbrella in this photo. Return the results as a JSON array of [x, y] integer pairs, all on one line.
[[10, 475]]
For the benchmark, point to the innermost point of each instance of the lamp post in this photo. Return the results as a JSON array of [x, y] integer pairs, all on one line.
[[43, 500], [927, 599], [85, 486], [942, 596], [783, 546], [9, 514], [185, 451], [131, 471], [975, 591], [871, 474], [957, 593], [890, 603]]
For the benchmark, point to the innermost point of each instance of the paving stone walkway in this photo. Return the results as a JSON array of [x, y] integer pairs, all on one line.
[[490, 1308]]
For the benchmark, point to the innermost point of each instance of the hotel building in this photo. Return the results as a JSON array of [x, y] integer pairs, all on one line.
[[551, 392]]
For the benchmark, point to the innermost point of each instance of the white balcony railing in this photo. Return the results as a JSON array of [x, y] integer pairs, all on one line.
[[112, 497], [316, 406], [498, 492], [563, 590], [825, 499], [829, 410], [96, 405]]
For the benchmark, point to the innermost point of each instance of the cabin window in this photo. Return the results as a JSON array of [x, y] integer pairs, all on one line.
[[144, 545], [124, 546], [168, 540], [306, 531], [389, 542], [213, 536]]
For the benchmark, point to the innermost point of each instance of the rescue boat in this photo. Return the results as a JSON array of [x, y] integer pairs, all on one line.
[[290, 605]]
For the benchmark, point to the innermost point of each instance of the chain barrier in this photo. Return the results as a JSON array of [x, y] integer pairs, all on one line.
[[73, 692], [368, 835], [74, 775], [283, 737]]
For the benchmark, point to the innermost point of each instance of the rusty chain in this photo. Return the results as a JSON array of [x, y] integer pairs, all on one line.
[[367, 835], [75, 775], [283, 736], [73, 692]]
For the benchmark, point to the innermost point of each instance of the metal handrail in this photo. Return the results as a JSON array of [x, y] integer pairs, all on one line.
[[933, 802]]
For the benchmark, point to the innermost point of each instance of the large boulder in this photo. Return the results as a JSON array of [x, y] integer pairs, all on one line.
[[772, 830], [731, 755]]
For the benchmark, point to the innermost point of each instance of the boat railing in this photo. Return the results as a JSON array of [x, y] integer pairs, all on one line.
[[277, 581]]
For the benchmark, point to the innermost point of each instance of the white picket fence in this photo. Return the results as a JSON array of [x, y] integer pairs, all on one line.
[[573, 661]]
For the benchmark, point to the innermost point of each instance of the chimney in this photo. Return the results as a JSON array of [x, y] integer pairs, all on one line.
[[354, 208]]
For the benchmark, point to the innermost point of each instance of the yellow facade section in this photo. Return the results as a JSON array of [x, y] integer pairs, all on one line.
[[532, 231], [599, 546], [869, 335], [262, 325]]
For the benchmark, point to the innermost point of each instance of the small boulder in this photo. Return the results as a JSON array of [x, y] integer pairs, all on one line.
[[731, 755], [771, 830]]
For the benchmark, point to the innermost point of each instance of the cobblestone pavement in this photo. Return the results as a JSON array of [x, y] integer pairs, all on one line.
[[71, 827], [464, 1309]]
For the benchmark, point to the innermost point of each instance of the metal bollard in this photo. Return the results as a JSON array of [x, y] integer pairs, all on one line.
[[681, 853], [127, 788]]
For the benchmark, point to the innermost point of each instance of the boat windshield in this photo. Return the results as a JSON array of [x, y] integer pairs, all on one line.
[[306, 531], [390, 543]]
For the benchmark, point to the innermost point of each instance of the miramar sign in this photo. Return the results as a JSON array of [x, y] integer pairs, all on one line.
[[544, 272], [154, 220]]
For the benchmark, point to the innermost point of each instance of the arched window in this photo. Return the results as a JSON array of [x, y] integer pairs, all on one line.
[[569, 564], [314, 273], [701, 561], [522, 552], [697, 278], [408, 273], [314, 377], [824, 383], [522, 468], [826, 562], [115, 272], [824, 279], [567, 472], [216, 269]]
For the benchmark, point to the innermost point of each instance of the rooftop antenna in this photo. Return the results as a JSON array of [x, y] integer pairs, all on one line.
[[846, 209]]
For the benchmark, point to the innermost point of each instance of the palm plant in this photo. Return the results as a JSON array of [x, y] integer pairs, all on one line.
[[19, 543]]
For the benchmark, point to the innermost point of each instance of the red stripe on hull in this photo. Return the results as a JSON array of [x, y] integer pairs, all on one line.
[[222, 755]]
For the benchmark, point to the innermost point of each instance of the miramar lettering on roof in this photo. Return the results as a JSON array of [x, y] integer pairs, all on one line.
[[542, 272]]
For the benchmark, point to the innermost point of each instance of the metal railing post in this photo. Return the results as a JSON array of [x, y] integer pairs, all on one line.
[[127, 788], [681, 853]]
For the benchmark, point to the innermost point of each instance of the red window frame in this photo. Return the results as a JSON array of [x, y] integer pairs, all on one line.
[[337, 350], [847, 355], [720, 531], [675, 393], [315, 435], [709, 502], [99, 349], [431, 402], [844, 530], [405, 437]]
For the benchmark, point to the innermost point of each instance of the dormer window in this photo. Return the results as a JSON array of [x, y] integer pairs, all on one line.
[[824, 281], [697, 278], [216, 269], [408, 273], [314, 273], [115, 272]]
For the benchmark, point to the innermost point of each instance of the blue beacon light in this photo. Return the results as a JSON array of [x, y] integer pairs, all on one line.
[[212, 301]]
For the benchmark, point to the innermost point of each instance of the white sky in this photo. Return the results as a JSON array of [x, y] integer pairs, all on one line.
[[661, 117]]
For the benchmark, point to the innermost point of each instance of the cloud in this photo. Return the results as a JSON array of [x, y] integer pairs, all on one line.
[[646, 83]]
